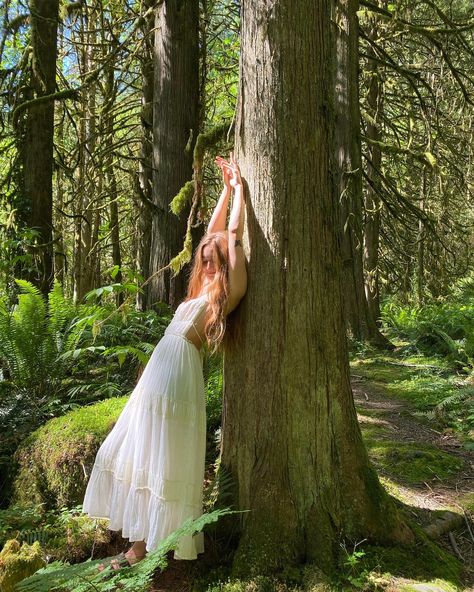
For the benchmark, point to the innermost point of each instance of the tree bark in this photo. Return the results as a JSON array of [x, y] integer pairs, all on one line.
[[175, 128], [290, 436], [372, 199], [38, 146], [348, 155], [144, 186]]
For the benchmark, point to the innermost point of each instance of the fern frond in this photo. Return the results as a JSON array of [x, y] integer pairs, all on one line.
[[60, 576]]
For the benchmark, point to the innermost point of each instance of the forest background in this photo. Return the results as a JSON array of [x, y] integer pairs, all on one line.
[[107, 182]]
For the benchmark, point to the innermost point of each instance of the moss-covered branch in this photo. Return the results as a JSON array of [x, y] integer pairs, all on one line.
[[57, 96]]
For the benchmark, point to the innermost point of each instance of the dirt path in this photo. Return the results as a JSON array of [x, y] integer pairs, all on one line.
[[399, 424]]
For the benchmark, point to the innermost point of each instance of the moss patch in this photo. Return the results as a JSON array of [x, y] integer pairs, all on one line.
[[412, 463], [18, 562], [55, 459], [436, 585]]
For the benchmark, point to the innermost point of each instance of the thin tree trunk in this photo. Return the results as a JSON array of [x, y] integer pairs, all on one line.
[[290, 434], [38, 146], [175, 128], [60, 269], [348, 150], [372, 199], [144, 199]]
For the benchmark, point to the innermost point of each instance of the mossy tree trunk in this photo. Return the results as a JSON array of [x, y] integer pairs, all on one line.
[[144, 182], [175, 128], [349, 166], [290, 434], [373, 190], [38, 145]]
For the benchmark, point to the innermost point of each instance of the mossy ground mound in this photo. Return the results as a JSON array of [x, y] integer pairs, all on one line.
[[56, 459], [17, 562]]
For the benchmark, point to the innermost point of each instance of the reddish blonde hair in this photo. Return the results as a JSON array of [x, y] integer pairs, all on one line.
[[218, 290]]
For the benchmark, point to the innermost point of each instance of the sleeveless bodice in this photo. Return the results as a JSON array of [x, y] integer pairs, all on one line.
[[186, 316]]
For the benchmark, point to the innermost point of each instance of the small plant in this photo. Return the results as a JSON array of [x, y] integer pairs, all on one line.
[[353, 570]]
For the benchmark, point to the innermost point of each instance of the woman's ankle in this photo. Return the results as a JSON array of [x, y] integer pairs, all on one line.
[[137, 551]]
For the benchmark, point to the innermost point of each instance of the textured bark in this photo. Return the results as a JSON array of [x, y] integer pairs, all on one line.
[[86, 227], [38, 146], [372, 199], [144, 185], [60, 261], [290, 434], [175, 128], [348, 150]]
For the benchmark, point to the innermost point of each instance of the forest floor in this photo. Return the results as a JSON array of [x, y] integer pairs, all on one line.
[[430, 471]]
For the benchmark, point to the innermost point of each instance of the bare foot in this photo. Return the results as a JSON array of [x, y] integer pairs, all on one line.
[[135, 555]]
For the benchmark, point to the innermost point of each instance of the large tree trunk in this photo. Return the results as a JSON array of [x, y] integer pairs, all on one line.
[[175, 125], [38, 146], [348, 154], [290, 434]]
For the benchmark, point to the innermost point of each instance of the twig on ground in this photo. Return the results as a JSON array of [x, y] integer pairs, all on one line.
[[452, 540]]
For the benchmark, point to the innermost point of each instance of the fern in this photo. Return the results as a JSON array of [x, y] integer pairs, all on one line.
[[86, 577]]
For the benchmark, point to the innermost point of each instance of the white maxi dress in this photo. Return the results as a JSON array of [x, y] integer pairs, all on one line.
[[148, 474]]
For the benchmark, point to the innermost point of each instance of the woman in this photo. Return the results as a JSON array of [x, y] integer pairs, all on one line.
[[148, 474]]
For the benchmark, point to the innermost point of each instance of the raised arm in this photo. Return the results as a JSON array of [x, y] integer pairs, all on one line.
[[237, 269], [219, 216]]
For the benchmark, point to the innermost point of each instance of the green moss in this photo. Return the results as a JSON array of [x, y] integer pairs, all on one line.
[[183, 197], [423, 391], [18, 562], [422, 562], [372, 431], [435, 585], [257, 584], [467, 502], [55, 459], [381, 369], [412, 463]]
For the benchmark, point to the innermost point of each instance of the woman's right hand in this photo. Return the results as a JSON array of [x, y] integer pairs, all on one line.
[[232, 169]]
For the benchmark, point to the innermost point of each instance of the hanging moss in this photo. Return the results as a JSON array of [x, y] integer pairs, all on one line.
[[209, 139], [184, 196], [185, 255], [18, 562]]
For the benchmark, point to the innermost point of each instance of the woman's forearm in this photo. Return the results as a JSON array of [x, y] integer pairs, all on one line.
[[219, 216], [236, 220]]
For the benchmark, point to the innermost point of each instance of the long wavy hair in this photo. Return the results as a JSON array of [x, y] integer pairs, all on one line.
[[218, 290]]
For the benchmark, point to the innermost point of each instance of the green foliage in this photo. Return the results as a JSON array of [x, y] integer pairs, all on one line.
[[34, 333], [53, 359], [431, 387], [65, 534], [85, 576], [442, 328]]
